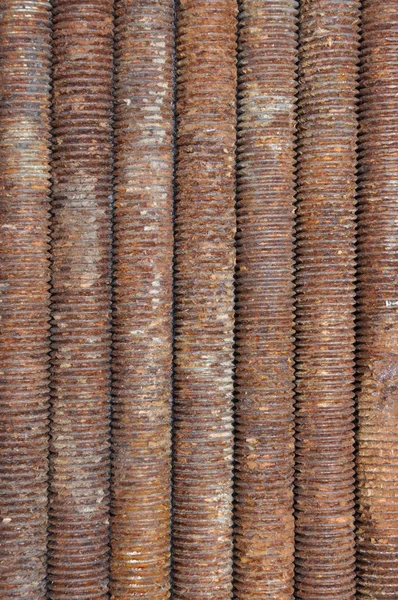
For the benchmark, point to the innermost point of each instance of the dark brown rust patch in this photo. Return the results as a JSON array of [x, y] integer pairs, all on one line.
[[81, 252], [327, 124], [264, 526], [377, 459], [143, 253], [24, 295], [204, 299]]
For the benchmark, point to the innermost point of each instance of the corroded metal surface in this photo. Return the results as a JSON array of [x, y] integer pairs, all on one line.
[[325, 299], [81, 252], [377, 462], [24, 312], [264, 527], [204, 296], [143, 255]]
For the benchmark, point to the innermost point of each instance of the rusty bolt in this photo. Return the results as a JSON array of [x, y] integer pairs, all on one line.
[[377, 459], [143, 258], [204, 298], [264, 445], [81, 253], [24, 288], [327, 126]]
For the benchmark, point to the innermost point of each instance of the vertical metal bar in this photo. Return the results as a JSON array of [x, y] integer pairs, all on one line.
[[264, 445], [377, 459], [204, 299], [24, 295], [327, 128], [81, 253], [142, 340]]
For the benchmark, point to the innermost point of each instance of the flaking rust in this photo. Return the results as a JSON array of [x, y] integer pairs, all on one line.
[[80, 334], [204, 299], [377, 458], [327, 126], [264, 441], [142, 317], [24, 295]]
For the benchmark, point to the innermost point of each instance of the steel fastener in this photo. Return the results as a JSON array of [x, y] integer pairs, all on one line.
[[204, 299], [142, 323], [80, 334], [377, 457], [24, 295], [327, 128], [264, 441]]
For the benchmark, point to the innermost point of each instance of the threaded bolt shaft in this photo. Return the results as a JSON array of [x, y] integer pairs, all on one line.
[[24, 286], [204, 298], [377, 458], [327, 126], [81, 247], [142, 346], [264, 442]]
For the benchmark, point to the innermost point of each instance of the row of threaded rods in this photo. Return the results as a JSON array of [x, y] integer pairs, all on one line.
[[204, 257]]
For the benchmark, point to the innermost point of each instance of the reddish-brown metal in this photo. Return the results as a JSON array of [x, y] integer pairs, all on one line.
[[377, 459], [327, 123], [204, 298], [81, 253], [143, 255], [24, 295], [264, 442]]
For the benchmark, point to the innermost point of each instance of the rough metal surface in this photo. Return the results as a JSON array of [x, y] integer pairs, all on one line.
[[204, 297], [143, 255], [81, 252], [24, 297], [377, 461], [325, 299], [264, 442]]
